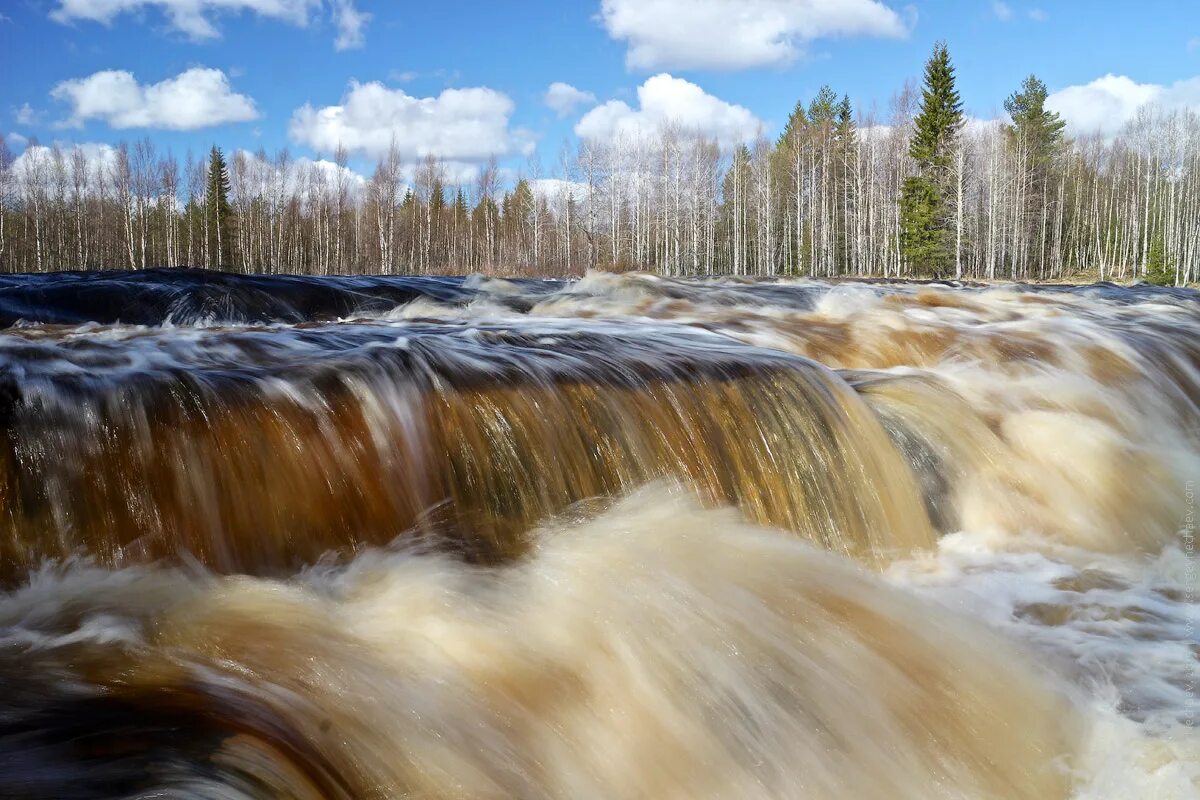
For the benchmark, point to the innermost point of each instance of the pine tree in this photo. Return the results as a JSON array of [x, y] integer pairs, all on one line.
[[1036, 138], [823, 210], [735, 191], [1037, 127], [790, 165], [218, 212], [926, 228], [845, 137]]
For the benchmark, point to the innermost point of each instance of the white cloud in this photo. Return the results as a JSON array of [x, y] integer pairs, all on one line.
[[303, 175], [1106, 104], [188, 16], [198, 98], [16, 140], [195, 18], [460, 173], [351, 25], [737, 34], [662, 100], [457, 125], [564, 98], [878, 132], [1038, 15], [38, 162], [26, 115], [1193, 44], [333, 172], [1002, 11], [977, 126], [555, 189]]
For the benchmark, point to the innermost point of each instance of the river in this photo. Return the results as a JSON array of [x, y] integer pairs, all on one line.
[[614, 537]]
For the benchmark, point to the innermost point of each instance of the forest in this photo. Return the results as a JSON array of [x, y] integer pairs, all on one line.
[[919, 191]]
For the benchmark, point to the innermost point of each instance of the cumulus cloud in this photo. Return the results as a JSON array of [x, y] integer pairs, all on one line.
[[555, 189], [333, 172], [1002, 11], [737, 34], [303, 175], [191, 17], [457, 125], [351, 25], [198, 98], [25, 115], [564, 98], [37, 162], [1106, 104], [664, 99], [194, 18]]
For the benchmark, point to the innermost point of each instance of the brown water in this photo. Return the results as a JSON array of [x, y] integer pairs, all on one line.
[[622, 537]]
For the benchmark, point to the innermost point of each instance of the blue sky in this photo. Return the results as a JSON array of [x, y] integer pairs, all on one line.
[[240, 73]]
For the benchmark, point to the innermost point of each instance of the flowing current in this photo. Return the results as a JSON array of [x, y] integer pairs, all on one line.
[[619, 537]]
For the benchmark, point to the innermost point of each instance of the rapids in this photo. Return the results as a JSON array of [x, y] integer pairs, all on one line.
[[622, 536]]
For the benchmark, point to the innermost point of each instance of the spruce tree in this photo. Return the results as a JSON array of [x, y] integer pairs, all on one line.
[[844, 128], [218, 212], [823, 107], [795, 128], [926, 212], [1160, 270]]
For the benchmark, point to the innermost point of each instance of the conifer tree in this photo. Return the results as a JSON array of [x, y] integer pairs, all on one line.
[[845, 137], [823, 107], [925, 203], [791, 166], [1037, 127], [218, 211], [1037, 142], [734, 202], [795, 128], [1159, 268]]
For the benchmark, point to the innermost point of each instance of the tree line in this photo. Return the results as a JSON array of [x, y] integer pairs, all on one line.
[[920, 192]]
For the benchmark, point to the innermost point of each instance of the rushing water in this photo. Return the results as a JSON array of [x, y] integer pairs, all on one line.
[[622, 537]]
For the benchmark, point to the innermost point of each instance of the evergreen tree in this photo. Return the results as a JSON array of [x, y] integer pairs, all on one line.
[[411, 215], [1036, 137], [518, 212], [823, 108], [437, 219], [218, 212], [437, 197], [844, 130], [735, 190], [790, 165], [1159, 268], [1038, 129], [926, 228], [845, 137], [794, 130]]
